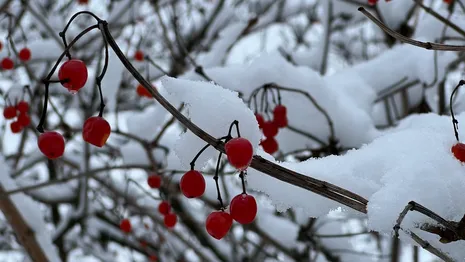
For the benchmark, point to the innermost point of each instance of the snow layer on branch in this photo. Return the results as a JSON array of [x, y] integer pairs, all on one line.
[[28, 210], [213, 109]]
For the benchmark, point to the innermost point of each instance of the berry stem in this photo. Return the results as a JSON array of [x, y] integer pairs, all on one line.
[[234, 123], [241, 175], [215, 177], [192, 163], [104, 69], [455, 122]]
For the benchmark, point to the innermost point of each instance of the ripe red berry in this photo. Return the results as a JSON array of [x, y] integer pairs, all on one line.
[[139, 55], [218, 224], [280, 122], [269, 145], [164, 208], [96, 131], [243, 208], [372, 2], [260, 120], [240, 152], [24, 54], [280, 116], [125, 225], [51, 144], [279, 110], [459, 151], [153, 258], [192, 184], [74, 72], [22, 106], [448, 1], [154, 181], [270, 129], [9, 112], [7, 63], [83, 2], [141, 91], [24, 119], [170, 220], [16, 127]]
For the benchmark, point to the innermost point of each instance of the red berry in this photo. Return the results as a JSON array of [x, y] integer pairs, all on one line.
[[164, 208], [192, 184], [24, 120], [96, 131], [22, 106], [279, 110], [7, 63], [372, 2], [218, 224], [143, 243], [139, 55], [240, 152], [260, 120], [125, 225], [83, 2], [24, 54], [170, 220], [1, 46], [448, 1], [154, 181], [51, 144], [243, 208], [9, 112], [280, 116], [141, 91], [270, 129], [280, 122], [153, 258], [270, 145], [74, 72], [16, 127], [459, 151]]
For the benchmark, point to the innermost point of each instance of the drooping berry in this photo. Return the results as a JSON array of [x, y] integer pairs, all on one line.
[[459, 151], [240, 152], [164, 208], [83, 2], [269, 145], [218, 224], [270, 129], [22, 106], [139, 55], [170, 220], [7, 63], [24, 54], [192, 184], [51, 144], [260, 120], [372, 2], [280, 122], [96, 131], [73, 74], [154, 181], [280, 116], [24, 119], [153, 258], [125, 225], [243, 208], [16, 127], [9, 112], [141, 91]]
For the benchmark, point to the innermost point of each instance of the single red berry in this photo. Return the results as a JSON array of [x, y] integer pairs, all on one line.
[[139, 55], [459, 151], [164, 208], [279, 110], [170, 220], [51, 144], [125, 225], [22, 106], [83, 2], [243, 208], [24, 119], [280, 122], [260, 120], [192, 184], [372, 2], [218, 224], [448, 1], [154, 181], [73, 73], [240, 152], [7, 63], [280, 116], [24, 54], [96, 131], [141, 91], [153, 258], [269, 145], [9, 112], [16, 127], [270, 129]]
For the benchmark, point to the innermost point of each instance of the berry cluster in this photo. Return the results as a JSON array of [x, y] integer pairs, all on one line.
[[18, 113], [243, 207], [170, 219], [270, 128], [23, 55]]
